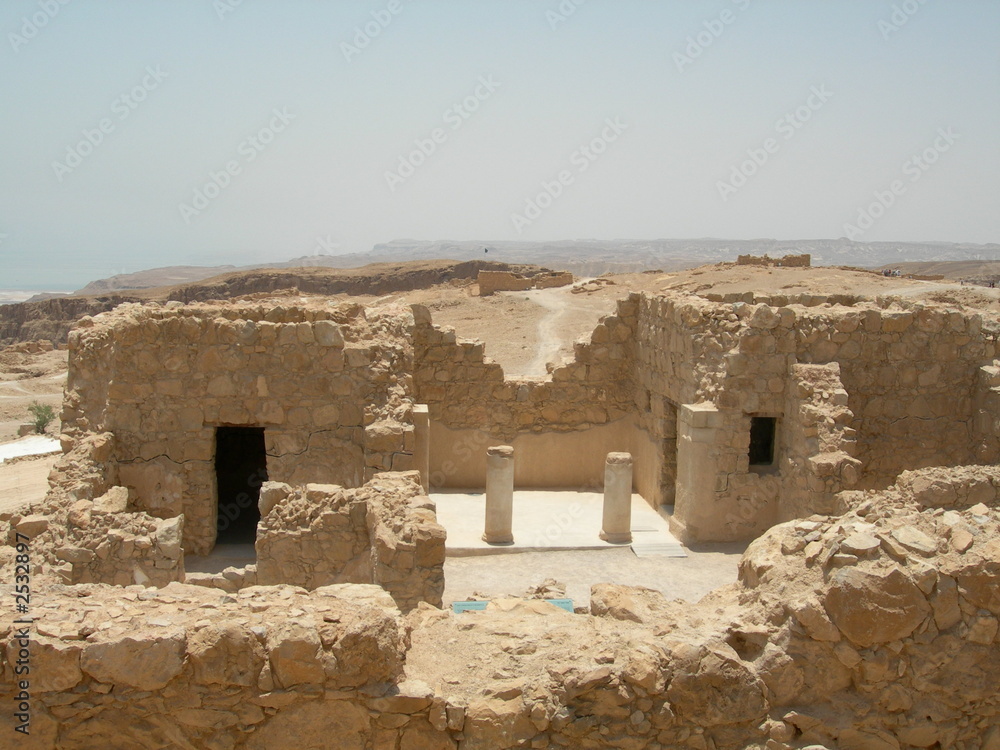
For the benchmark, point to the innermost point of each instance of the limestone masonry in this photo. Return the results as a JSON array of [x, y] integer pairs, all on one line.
[[491, 282], [856, 440]]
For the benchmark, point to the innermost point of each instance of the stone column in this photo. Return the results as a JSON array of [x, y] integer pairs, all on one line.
[[617, 525], [697, 516], [499, 494], [422, 444]]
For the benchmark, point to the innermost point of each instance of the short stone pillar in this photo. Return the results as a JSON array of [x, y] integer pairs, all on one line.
[[499, 495], [617, 524], [422, 444]]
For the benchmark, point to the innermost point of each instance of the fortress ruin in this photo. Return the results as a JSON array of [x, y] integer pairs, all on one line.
[[829, 417], [741, 412]]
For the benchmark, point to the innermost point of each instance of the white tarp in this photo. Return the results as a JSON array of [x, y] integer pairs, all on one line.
[[32, 445]]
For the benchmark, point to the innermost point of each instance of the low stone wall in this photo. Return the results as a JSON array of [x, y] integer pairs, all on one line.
[[38, 346], [384, 533], [189, 667], [83, 532], [553, 279], [491, 282]]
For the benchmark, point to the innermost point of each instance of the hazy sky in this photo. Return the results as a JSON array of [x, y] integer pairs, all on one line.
[[141, 133]]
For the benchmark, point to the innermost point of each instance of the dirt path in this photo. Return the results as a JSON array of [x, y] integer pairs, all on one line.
[[567, 317], [548, 343]]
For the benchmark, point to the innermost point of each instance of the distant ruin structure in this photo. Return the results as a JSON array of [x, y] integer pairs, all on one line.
[[491, 282], [788, 261]]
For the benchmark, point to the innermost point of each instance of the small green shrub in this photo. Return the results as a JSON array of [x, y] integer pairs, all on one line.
[[41, 416]]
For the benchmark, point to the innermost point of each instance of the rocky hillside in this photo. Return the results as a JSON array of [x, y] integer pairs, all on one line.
[[52, 318]]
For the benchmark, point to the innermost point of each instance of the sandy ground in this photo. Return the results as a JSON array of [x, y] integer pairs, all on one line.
[[25, 378], [525, 330], [24, 481], [705, 568], [726, 278], [522, 330]]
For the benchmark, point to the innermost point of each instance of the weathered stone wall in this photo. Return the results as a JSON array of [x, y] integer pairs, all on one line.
[[916, 393], [327, 384], [816, 453], [491, 282], [909, 371], [985, 423], [384, 533], [81, 533], [678, 356], [876, 629], [553, 279], [190, 667], [464, 389]]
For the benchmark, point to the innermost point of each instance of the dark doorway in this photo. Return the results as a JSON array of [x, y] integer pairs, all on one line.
[[762, 441], [240, 469]]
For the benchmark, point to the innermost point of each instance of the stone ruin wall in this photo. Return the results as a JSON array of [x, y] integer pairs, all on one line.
[[385, 533], [85, 531], [81, 533], [491, 282], [581, 411], [878, 628], [875, 629], [122, 511], [862, 390], [553, 279], [786, 261], [910, 386], [328, 385]]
